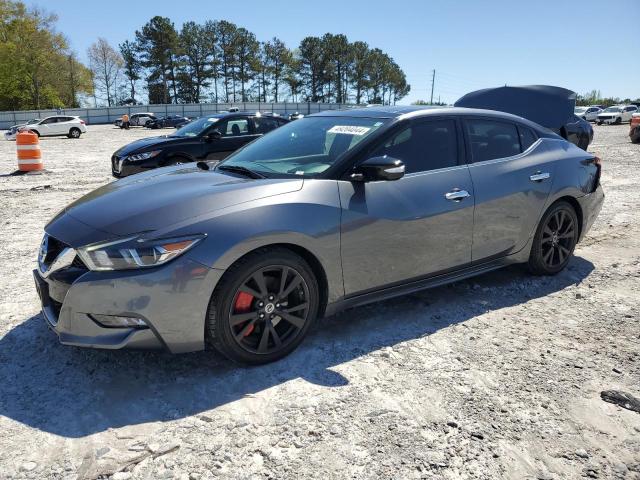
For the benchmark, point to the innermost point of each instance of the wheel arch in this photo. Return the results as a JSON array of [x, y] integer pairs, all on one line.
[[308, 256], [174, 155], [576, 206]]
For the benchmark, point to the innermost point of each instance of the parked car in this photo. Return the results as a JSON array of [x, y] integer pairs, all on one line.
[[617, 114], [334, 210], [170, 121], [137, 119], [209, 138], [551, 107], [295, 116], [11, 133], [57, 125], [634, 131], [590, 114]]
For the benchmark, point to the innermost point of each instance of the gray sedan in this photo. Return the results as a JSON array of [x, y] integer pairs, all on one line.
[[331, 211]]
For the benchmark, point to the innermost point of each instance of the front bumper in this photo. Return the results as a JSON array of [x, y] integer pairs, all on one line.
[[172, 300], [121, 167], [607, 119], [590, 204]]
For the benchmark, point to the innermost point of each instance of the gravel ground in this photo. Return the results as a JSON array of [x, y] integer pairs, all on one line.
[[496, 377]]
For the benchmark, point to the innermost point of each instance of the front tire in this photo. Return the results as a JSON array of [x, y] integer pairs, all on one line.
[[618, 121], [263, 307], [555, 240]]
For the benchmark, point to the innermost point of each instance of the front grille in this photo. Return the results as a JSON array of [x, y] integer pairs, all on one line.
[[78, 263], [116, 165], [54, 247]]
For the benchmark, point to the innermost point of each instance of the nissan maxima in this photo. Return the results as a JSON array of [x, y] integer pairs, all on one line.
[[331, 211]]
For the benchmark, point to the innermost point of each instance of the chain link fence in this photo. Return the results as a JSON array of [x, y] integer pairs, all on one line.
[[104, 115]]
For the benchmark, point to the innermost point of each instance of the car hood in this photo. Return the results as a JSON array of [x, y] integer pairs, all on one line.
[[161, 198], [147, 143]]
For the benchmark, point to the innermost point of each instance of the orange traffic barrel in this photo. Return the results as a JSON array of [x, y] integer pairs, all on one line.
[[29, 154]]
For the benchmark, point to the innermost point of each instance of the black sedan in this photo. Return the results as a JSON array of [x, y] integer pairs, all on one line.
[[170, 121], [212, 137], [551, 107]]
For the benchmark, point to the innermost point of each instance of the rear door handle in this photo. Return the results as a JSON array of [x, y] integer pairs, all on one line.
[[539, 176], [456, 195]]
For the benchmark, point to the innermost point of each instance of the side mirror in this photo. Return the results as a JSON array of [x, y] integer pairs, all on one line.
[[378, 168], [213, 135]]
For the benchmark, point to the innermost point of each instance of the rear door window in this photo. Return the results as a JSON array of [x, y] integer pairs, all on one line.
[[234, 127], [265, 124], [423, 146], [527, 137], [490, 139]]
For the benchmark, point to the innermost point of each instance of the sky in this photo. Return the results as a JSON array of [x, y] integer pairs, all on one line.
[[471, 44]]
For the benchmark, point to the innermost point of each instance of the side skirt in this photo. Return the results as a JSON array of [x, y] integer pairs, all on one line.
[[392, 291]]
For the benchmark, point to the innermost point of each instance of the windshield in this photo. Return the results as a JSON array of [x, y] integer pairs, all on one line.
[[196, 127], [307, 146], [613, 109], [580, 109]]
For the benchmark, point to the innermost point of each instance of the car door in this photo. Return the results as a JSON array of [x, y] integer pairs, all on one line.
[[47, 126], [419, 225], [512, 175], [63, 125], [235, 132]]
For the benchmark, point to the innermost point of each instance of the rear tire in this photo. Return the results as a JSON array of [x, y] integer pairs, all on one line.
[[270, 322], [555, 240], [74, 133]]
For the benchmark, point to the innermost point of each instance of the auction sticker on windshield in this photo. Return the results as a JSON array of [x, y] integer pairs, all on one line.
[[348, 130]]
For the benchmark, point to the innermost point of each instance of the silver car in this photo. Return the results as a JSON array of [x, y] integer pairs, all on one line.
[[331, 211]]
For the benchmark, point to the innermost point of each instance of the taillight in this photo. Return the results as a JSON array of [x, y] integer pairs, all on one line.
[[82, 122]]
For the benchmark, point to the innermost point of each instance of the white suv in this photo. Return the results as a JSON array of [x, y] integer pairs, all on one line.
[[617, 114], [72, 127], [590, 114]]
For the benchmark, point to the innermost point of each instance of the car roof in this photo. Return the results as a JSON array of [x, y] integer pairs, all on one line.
[[415, 111]]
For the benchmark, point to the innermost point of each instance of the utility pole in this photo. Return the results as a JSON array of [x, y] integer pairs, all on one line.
[[433, 81]]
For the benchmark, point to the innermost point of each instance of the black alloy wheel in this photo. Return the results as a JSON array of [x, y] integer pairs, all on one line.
[[555, 240], [263, 306], [269, 309]]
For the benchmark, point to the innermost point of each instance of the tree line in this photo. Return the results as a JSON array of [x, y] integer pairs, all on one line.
[[594, 97], [37, 67], [214, 61], [219, 61]]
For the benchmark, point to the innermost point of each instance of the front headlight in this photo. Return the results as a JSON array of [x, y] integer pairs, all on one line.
[[135, 252], [143, 156]]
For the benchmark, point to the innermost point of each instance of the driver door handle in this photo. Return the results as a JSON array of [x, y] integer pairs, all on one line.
[[456, 195], [539, 176]]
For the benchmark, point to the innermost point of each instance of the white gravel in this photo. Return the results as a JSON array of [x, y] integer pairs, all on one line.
[[496, 377]]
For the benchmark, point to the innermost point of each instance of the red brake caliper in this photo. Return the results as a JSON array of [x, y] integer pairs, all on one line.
[[242, 305]]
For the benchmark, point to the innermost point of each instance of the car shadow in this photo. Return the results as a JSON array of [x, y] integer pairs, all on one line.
[[74, 392]]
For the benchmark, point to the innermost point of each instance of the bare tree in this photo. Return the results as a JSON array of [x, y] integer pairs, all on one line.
[[105, 63]]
